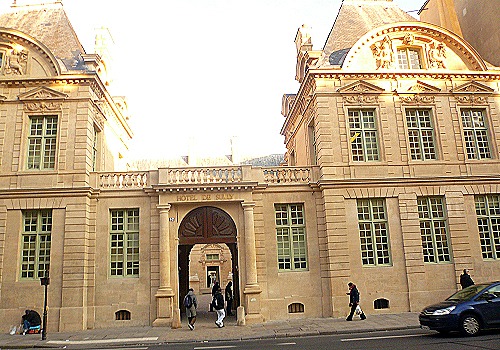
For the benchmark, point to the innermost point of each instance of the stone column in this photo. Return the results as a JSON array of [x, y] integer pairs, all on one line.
[[252, 290], [164, 295]]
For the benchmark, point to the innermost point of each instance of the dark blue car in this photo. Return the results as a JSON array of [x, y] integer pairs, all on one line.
[[469, 311]]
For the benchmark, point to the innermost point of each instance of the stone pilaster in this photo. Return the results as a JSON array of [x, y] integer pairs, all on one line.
[[164, 295], [252, 290]]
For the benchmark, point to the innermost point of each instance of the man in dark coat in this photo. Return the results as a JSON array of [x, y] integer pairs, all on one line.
[[354, 301], [31, 318], [465, 279], [214, 290], [229, 298]]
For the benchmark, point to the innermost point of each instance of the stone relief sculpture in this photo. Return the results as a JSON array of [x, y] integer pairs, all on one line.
[[383, 53], [408, 39], [16, 62], [437, 55]]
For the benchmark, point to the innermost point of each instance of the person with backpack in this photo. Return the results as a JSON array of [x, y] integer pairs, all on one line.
[[190, 303], [218, 305]]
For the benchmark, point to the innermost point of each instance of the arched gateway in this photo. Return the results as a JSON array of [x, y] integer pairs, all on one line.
[[206, 225]]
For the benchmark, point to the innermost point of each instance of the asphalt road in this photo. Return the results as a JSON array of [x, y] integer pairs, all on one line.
[[393, 340]]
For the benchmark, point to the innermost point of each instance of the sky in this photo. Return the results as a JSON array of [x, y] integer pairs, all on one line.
[[198, 73]]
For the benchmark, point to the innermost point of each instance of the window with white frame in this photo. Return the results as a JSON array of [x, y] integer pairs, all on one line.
[[420, 134], [312, 144], [433, 229], [475, 133], [363, 135], [488, 223], [373, 232], [94, 150], [409, 58], [42, 142], [124, 242], [35, 243], [291, 237]]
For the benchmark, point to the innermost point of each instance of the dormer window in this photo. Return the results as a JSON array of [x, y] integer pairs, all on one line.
[[409, 58]]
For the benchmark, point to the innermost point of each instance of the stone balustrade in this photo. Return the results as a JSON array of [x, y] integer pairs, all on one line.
[[204, 176], [286, 175], [119, 180]]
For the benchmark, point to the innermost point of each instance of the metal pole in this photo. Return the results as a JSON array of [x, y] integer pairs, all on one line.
[[44, 319]]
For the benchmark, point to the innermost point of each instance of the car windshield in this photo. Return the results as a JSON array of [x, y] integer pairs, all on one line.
[[467, 293]]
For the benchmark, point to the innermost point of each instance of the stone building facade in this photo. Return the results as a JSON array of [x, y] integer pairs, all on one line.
[[475, 21], [392, 182]]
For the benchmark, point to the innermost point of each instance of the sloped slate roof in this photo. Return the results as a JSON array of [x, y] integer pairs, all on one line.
[[355, 19], [50, 25]]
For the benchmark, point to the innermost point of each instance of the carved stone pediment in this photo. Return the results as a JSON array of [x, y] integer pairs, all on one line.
[[359, 87], [42, 99], [360, 92], [42, 93], [472, 93], [473, 87], [421, 87]]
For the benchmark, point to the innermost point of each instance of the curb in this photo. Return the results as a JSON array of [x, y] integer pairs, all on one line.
[[118, 342]]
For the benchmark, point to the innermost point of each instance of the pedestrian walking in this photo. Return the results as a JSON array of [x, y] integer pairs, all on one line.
[[354, 302], [218, 305], [191, 304], [466, 279], [228, 293], [215, 286]]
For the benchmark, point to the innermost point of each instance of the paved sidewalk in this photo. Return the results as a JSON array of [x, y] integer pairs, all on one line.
[[206, 330]]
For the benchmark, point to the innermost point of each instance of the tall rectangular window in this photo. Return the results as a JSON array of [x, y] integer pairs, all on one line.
[[291, 236], [433, 229], [312, 144], [36, 241], [42, 141], [409, 58], [488, 223], [373, 232], [94, 151], [420, 134], [363, 135], [124, 242], [475, 134]]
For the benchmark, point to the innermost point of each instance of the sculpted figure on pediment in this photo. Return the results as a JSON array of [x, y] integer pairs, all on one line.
[[437, 55], [383, 53], [16, 62], [409, 39]]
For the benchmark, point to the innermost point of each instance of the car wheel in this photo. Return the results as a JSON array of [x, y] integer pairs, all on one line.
[[470, 325]]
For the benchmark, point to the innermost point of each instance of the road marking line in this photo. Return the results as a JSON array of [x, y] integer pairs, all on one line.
[[386, 337], [215, 347], [284, 344], [102, 341]]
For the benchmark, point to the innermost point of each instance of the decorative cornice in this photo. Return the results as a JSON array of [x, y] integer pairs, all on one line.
[[471, 99], [360, 99]]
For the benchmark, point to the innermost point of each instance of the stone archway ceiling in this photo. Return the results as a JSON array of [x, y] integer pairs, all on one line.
[[207, 225]]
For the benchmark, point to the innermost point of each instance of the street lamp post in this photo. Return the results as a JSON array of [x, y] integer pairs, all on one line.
[[44, 281]]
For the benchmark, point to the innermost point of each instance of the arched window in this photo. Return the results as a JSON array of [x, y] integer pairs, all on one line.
[[122, 315], [295, 308], [381, 304]]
